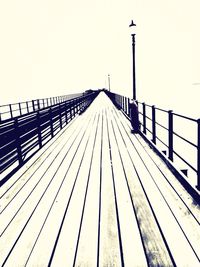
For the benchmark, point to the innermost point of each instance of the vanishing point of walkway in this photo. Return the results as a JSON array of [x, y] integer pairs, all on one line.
[[97, 195]]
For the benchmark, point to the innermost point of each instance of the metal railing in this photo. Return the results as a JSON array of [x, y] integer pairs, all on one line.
[[21, 137], [168, 131], [13, 110]]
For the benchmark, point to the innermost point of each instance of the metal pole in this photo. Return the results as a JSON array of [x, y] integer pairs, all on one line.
[[170, 135], [144, 118], [154, 124], [109, 82], [134, 81], [198, 154]]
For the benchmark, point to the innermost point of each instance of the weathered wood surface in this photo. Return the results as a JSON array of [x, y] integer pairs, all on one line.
[[97, 195]]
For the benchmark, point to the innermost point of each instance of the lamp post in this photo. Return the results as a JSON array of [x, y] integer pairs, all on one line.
[[133, 52], [109, 82]]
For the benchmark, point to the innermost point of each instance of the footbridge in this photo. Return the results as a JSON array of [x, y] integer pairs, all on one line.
[[80, 188]]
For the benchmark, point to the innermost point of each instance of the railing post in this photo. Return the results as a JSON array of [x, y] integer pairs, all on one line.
[[39, 130], [170, 135], [38, 103], [80, 105], [11, 113], [27, 107], [60, 116], [18, 143], [153, 124], [128, 107], [66, 118], [198, 154], [77, 105], [70, 105], [144, 118], [74, 108], [51, 121], [125, 106], [20, 109], [33, 105]]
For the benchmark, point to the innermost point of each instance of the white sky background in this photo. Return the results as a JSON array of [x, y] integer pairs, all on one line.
[[50, 48]]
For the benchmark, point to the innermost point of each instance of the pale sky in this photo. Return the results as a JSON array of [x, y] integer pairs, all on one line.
[[57, 47]]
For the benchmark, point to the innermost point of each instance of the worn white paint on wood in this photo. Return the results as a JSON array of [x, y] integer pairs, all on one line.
[[177, 199], [88, 244], [169, 209], [65, 250], [26, 210], [109, 251], [180, 191], [156, 251], [133, 250], [32, 164], [55, 217], [97, 167]]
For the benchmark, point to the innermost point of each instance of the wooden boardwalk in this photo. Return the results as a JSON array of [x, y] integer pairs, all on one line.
[[97, 195]]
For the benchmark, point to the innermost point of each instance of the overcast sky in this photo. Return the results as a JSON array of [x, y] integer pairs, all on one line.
[[57, 47]]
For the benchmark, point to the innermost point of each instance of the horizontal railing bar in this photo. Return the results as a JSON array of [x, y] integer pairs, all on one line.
[[148, 118], [161, 141], [155, 134], [147, 129], [41, 99], [147, 105], [56, 106], [184, 139], [160, 109], [157, 123], [23, 136], [184, 117], [186, 162], [34, 105]]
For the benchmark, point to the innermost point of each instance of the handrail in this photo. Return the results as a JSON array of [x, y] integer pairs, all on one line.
[[21, 137], [9, 111], [155, 131]]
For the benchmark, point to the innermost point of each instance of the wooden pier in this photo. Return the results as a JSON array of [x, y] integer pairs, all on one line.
[[97, 195]]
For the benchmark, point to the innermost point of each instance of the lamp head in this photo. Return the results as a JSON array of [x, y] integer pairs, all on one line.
[[132, 24]]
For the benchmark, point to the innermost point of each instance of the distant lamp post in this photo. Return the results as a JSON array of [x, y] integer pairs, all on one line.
[[133, 51], [109, 82]]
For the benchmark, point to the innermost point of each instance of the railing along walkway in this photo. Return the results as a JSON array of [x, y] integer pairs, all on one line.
[[97, 195]]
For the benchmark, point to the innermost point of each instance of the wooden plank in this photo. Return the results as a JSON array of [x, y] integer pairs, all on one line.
[[167, 174], [163, 211], [67, 240], [54, 219], [187, 221], [88, 244], [168, 184], [133, 250], [109, 251], [155, 249], [34, 163], [26, 211], [97, 196]]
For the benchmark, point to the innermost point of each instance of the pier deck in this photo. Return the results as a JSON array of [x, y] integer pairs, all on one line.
[[97, 195]]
